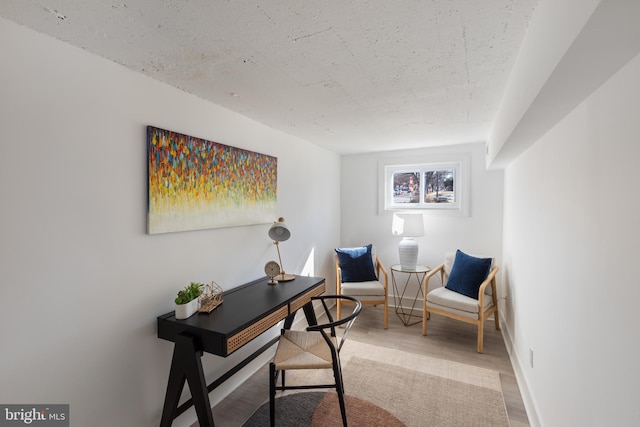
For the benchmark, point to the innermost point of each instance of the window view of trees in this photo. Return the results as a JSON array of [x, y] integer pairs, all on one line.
[[439, 186], [428, 186], [406, 187]]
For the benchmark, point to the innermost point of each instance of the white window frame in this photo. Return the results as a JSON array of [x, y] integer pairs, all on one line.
[[458, 163]]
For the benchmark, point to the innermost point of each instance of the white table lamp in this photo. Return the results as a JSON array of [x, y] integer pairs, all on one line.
[[408, 226]]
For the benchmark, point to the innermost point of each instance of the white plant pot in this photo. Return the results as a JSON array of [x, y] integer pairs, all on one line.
[[186, 310]]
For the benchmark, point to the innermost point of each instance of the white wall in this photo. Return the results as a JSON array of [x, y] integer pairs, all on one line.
[[551, 33], [480, 232], [570, 251], [570, 49], [81, 284]]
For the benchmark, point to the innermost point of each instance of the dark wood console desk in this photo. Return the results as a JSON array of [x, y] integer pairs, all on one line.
[[246, 312]]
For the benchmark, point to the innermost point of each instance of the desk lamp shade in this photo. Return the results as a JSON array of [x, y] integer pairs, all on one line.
[[408, 226], [279, 232]]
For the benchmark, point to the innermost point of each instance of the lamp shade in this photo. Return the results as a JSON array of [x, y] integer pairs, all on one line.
[[407, 225], [279, 232]]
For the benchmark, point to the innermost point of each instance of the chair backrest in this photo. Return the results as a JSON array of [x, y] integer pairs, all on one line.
[[331, 325], [374, 260], [450, 257]]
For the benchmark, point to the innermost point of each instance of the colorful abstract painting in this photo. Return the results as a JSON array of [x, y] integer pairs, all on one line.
[[197, 184]]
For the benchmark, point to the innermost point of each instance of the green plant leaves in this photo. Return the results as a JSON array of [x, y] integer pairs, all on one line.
[[189, 293]]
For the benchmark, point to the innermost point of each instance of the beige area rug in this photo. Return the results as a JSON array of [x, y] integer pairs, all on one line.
[[418, 390]]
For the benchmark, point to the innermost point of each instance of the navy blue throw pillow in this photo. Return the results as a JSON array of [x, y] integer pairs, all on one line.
[[467, 274], [356, 264]]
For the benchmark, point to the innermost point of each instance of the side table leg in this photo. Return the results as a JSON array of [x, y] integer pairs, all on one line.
[[187, 365]]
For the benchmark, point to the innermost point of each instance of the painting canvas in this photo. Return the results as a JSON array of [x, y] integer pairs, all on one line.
[[198, 184]]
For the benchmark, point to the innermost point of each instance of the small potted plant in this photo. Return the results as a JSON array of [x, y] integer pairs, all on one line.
[[187, 300]]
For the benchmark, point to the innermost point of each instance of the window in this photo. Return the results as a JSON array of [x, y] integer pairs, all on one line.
[[427, 186], [440, 186]]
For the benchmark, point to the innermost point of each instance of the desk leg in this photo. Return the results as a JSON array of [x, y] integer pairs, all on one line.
[[288, 321], [309, 313], [187, 365]]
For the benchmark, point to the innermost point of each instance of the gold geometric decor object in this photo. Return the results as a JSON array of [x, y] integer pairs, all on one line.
[[211, 297]]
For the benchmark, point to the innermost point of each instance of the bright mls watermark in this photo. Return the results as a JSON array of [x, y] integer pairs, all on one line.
[[34, 415]]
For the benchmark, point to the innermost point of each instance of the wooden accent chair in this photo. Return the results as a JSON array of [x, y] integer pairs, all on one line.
[[317, 347], [449, 300], [361, 274]]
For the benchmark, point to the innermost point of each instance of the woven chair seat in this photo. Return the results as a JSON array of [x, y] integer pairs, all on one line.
[[302, 350]]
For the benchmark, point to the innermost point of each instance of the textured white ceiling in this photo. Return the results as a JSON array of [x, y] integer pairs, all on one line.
[[352, 76]]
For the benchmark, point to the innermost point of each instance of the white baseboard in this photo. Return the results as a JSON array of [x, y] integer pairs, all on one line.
[[525, 392], [407, 302]]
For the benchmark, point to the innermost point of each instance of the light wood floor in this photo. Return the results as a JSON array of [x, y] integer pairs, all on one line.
[[447, 339]]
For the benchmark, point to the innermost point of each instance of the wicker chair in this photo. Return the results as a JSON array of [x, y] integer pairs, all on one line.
[[317, 347]]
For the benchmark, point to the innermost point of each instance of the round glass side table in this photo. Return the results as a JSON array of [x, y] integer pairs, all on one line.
[[404, 313]]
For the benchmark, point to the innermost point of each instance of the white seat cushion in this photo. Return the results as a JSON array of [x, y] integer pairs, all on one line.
[[445, 299], [363, 289]]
